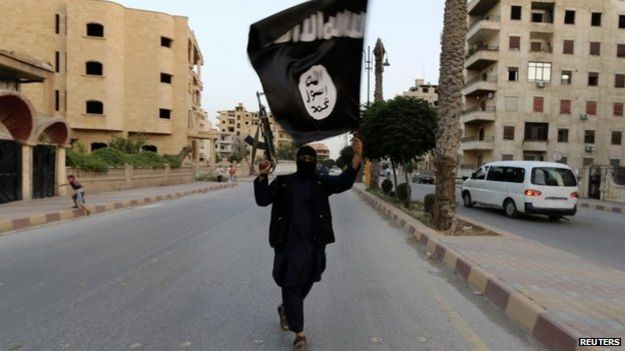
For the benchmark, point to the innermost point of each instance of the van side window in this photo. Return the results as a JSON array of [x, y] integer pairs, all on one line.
[[479, 174], [514, 175], [496, 174]]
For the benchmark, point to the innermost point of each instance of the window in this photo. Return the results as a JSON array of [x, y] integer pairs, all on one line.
[[620, 50], [98, 146], [548, 176], [57, 23], [595, 48], [617, 137], [536, 131], [593, 79], [621, 21], [426, 90], [618, 109], [508, 133], [57, 100], [507, 157], [512, 103], [95, 30], [595, 19], [565, 107], [591, 108], [563, 135], [149, 148], [569, 17], [515, 43], [515, 13], [539, 102], [539, 72], [495, 174], [569, 47], [166, 42], [615, 163], [57, 62], [166, 78], [536, 46], [589, 137], [164, 113], [480, 174], [93, 68], [567, 78], [619, 80], [588, 161], [513, 74], [94, 107], [513, 175]]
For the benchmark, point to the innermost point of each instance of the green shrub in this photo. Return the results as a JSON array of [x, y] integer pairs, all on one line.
[[387, 186], [131, 145], [428, 203], [403, 193], [173, 160], [111, 156], [146, 160], [87, 162]]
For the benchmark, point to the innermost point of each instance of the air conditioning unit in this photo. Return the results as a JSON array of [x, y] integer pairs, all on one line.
[[589, 148], [583, 117], [540, 84]]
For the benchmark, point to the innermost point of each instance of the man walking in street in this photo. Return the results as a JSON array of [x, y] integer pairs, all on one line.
[[300, 228]]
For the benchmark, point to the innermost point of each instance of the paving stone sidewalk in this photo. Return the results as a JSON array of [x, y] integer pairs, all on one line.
[[557, 296]]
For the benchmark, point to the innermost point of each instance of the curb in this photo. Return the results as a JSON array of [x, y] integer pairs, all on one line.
[[9, 225], [605, 208], [519, 308]]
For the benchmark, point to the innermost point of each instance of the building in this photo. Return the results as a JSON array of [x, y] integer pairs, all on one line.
[[427, 92], [545, 80], [32, 141], [235, 125], [118, 71], [323, 153]]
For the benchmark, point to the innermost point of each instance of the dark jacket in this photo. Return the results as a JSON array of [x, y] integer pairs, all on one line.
[[279, 193]]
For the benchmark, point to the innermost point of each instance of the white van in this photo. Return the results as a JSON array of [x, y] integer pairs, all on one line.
[[524, 187]]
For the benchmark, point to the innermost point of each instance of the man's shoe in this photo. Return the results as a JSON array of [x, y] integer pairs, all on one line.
[[284, 324], [300, 344]]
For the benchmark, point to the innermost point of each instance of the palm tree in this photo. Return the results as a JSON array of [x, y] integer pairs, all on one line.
[[448, 135]]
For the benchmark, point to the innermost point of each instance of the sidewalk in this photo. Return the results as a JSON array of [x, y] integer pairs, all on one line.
[[558, 297], [608, 206], [24, 214]]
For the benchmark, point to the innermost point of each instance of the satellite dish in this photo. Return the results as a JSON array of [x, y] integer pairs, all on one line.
[[557, 156]]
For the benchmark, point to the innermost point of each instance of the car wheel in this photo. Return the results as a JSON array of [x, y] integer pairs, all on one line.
[[555, 218], [466, 200], [510, 208]]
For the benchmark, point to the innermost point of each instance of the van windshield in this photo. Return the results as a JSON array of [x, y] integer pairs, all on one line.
[[553, 177]]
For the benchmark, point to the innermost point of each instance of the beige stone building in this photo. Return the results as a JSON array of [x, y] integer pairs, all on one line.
[[119, 71], [323, 153], [235, 125], [545, 80], [421, 90]]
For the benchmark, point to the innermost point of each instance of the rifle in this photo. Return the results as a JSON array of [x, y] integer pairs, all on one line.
[[265, 126]]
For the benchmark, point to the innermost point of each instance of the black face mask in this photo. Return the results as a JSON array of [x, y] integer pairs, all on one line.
[[306, 169]]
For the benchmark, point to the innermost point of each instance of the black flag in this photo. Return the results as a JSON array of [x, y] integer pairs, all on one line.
[[309, 60]]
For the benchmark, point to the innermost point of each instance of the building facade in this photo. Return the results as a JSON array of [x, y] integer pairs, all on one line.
[[323, 153], [545, 80], [235, 125], [119, 71], [421, 90]]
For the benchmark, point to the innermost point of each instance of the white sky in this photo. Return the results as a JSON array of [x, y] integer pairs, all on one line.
[[410, 30]]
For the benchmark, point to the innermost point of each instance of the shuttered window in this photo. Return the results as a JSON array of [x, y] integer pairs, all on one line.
[[618, 109], [595, 48], [591, 108], [620, 50], [569, 47], [565, 107], [538, 103], [515, 43], [619, 80]]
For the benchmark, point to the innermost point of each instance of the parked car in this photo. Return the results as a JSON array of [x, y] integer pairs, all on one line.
[[423, 177], [523, 187]]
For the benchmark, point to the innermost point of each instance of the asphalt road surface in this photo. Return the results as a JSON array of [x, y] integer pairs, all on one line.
[[195, 274], [596, 235]]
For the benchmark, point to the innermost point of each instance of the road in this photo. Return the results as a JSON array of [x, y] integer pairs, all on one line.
[[596, 235], [195, 274]]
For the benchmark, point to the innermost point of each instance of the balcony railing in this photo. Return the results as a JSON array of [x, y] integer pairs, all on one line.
[[488, 139], [488, 109], [489, 18], [489, 79], [474, 50]]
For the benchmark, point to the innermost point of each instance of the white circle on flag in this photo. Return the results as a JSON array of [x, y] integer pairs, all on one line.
[[318, 92]]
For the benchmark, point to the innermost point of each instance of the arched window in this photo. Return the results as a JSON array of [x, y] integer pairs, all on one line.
[[95, 107], [149, 148], [95, 30], [98, 146], [93, 68]]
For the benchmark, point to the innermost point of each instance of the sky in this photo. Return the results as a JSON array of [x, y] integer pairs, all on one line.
[[410, 30]]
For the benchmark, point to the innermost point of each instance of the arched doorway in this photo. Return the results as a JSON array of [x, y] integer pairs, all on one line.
[[50, 134]]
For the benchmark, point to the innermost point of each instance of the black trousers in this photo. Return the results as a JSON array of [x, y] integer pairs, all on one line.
[[293, 302]]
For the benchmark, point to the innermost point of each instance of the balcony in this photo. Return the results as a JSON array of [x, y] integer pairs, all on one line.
[[480, 86], [482, 56], [478, 115], [535, 145], [480, 7], [475, 143], [484, 29]]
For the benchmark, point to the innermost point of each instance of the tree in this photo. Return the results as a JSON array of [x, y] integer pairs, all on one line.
[[239, 151], [345, 157], [130, 145], [287, 150], [401, 130], [448, 133]]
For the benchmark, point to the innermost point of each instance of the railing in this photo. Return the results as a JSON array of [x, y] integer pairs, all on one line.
[[479, 109], [488, 139], [489, 18], [489, 79], [474, 50], [542, 49]]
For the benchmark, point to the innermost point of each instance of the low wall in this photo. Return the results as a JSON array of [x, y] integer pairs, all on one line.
[[131, 178]]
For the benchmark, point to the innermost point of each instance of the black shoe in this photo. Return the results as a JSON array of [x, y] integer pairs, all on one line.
[[284, 324]]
